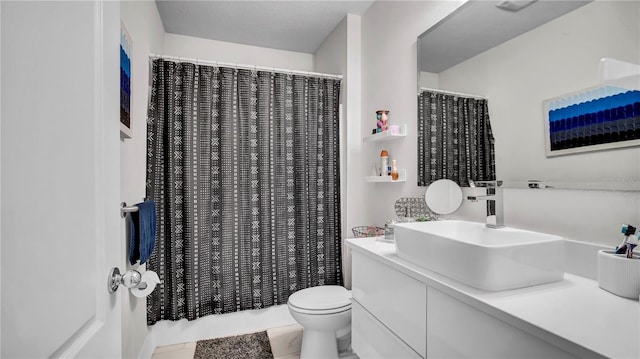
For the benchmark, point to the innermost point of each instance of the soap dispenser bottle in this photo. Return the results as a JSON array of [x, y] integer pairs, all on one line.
[[394, 171]]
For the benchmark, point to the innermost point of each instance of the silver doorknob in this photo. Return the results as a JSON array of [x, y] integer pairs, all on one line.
[[130, 279]]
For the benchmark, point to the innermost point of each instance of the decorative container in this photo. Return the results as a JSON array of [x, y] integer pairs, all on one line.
[[618, 274], [382, 116], [367, 231], [394, 129]]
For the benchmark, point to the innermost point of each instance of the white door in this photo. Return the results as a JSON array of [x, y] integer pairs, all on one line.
[[59, 148]]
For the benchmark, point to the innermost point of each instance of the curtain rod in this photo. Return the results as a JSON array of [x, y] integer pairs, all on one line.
[[453, 93], [242, 66]]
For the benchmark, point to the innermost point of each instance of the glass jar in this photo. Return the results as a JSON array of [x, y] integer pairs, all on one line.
[[388, 230]]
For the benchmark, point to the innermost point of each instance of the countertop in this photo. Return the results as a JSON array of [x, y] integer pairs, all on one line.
[[573, 310]]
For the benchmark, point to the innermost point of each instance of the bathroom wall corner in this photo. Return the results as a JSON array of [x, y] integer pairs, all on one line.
[[389, 81], [340, 53], [142, 21]]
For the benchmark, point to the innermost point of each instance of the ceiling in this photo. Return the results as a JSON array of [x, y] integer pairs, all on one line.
[[303, 25], [300, 26], [478, 26]]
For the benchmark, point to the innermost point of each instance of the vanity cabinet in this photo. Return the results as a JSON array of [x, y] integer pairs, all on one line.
[[458, 330], [392, 299], [372, 339], [395, 315]]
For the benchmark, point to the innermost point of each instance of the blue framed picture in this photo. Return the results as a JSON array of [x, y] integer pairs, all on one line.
[[598, 118], [125, 83]]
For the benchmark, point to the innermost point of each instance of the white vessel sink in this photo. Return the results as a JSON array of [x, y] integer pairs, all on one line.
[[485, 258]]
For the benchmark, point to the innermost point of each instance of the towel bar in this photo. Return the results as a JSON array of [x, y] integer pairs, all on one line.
[[127, 209]]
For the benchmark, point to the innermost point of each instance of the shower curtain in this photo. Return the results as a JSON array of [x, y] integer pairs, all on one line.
[[244, 168], [454, 139]]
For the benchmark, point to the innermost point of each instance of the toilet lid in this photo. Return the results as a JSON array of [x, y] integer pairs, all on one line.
[[324, 297]]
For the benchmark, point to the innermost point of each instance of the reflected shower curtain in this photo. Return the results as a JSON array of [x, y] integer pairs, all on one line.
[[454, 139], [243, 166]]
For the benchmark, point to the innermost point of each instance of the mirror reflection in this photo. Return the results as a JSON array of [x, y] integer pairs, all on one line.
[[519, 59]]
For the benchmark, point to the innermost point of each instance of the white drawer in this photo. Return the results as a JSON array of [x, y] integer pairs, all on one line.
[[457, 330], [371, 339], [394, 298]]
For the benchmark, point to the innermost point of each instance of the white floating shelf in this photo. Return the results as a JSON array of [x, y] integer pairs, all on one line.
[[386, 135], [402, 177]]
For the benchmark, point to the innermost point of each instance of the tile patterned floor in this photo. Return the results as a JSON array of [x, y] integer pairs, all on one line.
[[285, 344]]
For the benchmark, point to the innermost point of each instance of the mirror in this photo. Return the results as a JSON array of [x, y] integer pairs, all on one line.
[[520, 59], [443, 196]]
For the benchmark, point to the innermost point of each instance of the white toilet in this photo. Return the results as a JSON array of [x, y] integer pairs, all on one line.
[[325, 314]]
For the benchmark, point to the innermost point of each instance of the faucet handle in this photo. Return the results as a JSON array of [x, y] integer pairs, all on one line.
[[495, 183]]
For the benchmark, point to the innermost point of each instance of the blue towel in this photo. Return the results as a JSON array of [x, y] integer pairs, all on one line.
[[142, 232], [134, 245]]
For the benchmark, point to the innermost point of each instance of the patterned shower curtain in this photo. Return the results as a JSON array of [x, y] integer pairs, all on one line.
[[454, 139], [243, 166]]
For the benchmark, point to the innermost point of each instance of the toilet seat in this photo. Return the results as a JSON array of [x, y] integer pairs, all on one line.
[[321, 300]]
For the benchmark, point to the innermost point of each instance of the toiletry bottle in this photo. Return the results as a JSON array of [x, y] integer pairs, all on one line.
[[384, 163], [388, 229], [394, 171], [632, 242], [627, 230]]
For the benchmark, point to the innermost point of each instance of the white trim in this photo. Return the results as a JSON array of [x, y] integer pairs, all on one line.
[[0, 177], [148, 347], [98, 118]]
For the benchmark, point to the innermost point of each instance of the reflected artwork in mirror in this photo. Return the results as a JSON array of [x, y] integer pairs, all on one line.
[[599, 118], [518, 61]]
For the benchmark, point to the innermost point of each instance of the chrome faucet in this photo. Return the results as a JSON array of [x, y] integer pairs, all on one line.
[[495, 209]]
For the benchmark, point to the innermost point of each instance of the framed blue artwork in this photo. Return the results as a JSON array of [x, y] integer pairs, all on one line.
[[125, 83], [598, 118]]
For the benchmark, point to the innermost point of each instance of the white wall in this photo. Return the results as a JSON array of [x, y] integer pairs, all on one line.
[[389, 80], [429, 80], [331, 56], [554, 59], [211, 50], [340, 53], [142, 21]]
